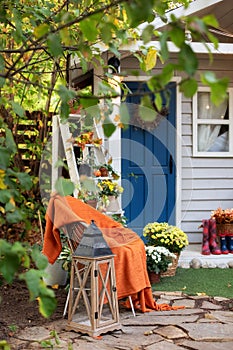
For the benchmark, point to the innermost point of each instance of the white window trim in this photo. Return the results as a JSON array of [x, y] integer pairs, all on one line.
[[197, 122]]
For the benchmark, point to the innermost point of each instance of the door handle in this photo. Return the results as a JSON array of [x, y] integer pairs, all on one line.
[[170, 164]]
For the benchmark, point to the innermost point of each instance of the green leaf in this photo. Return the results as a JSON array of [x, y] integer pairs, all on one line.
[[65, 94], [47, 305], [218, 91], [188, 87], [177, 36], [210, 21], [38, 289], [54, 45], [154, 83], [139, 11], [25, 180], [209, 78], [64, 187], [32, 279], [213, 39], [163, 45], [4, 157], [16, 216], [89, 29], [147, 33], [167, 74], [146, 111], [188, 59], [40, 260], [10, 142], [88, 102], [5, 196], [9, 261], [124, 114], [158, 101], [89, 184], [41, 30], [2, 82], [218, 87], [108, 127], [106, 33], [2, 63], [18, 109], [64, 110]]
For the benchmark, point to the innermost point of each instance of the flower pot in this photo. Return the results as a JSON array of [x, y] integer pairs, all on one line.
[[113, 205], [92, 203], [171, 271], [224, 229], [154, 277]]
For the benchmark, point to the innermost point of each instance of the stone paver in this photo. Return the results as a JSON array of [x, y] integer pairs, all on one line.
[[188, 303], [203, 324], [135, 336], [208, 345], [171, 332], [34, 333], [209, 331], [160, 320], [164, 345], [208, 305], [223, 316]]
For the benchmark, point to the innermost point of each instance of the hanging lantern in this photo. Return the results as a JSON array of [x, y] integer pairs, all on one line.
[[93, 303]]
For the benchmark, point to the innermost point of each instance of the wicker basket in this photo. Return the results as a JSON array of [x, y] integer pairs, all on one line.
[[171, 271], [224, 229]]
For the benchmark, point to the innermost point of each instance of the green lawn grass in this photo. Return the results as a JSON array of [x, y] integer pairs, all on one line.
[[212, 282]]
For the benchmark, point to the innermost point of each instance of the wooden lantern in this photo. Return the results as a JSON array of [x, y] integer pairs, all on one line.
[[93, 303]]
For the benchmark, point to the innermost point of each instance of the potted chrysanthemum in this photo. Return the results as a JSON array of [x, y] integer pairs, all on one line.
[[108, 192], [168, 236], [158, 260]]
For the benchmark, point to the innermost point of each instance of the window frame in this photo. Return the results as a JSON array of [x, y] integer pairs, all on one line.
[[197, 121]]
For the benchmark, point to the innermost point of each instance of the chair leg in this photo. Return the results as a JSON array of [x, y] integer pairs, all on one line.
[[131, 304], [66, 304]]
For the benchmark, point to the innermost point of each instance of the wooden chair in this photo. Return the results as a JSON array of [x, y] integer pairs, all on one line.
[[74, 232]]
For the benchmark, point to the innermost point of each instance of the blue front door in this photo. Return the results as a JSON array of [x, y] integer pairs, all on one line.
[[148, 166]]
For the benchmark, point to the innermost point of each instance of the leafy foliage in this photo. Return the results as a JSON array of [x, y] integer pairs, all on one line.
[[16, 257]]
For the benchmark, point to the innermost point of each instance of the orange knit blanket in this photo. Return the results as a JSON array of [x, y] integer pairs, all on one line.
[[128, 248]]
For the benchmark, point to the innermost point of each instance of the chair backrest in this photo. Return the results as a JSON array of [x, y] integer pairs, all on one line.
[[74, 232]]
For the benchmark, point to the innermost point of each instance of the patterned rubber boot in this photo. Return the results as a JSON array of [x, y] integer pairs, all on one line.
[[205, 239], [223, 242], [229, 240], [214, 247]]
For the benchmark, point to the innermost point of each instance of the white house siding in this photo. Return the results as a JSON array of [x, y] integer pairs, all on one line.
[[206, 183]]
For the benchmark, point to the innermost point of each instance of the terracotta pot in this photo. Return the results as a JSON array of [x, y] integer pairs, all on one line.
[[154, 277], [92, 203]]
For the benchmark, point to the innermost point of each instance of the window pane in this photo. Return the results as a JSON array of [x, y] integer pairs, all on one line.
[[213, 138], [207, 110]]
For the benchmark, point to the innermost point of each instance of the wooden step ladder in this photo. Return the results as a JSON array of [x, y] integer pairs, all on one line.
[[62, 142]]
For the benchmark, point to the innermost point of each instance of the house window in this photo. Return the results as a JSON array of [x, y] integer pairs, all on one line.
[[212, 125]]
